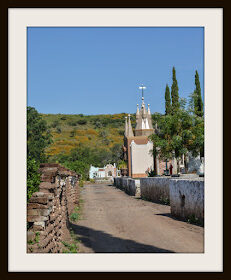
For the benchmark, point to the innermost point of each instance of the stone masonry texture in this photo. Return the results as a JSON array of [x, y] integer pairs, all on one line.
[[49, 209]]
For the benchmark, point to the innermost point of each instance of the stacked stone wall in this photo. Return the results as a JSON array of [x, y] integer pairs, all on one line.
[[49, 209]]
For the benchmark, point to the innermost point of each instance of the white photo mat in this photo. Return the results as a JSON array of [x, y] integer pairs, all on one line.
[[212, 21]]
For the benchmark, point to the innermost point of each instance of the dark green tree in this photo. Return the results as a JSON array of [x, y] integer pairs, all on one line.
[[179, 133], [167, 101], [117, 153], [38, 138], [174, 92], [198, 103], [33, 177], [80, 167]]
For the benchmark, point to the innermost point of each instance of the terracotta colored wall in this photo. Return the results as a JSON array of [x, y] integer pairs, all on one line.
[[49, 209]]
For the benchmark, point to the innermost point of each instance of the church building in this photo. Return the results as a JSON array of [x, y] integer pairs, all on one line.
[[137, 146]]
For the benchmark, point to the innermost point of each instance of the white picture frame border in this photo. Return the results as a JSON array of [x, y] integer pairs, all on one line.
[[212, 21]]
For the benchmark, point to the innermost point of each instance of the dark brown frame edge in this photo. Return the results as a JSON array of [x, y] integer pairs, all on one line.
[[5, 5]]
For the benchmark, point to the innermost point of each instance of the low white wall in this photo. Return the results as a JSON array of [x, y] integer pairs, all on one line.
[[186, 196], [134, 187], [155, 189], [129, 185], [187, 199]]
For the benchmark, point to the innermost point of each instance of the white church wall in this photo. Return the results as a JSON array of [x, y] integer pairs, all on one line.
[[141, 157]]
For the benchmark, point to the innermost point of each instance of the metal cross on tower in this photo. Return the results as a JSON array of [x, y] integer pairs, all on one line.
[[142, 87]]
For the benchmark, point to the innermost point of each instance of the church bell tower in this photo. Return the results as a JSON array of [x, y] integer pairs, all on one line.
[[137, 146]]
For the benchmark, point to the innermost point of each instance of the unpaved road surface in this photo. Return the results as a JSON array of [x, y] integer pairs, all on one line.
[[114, 222]]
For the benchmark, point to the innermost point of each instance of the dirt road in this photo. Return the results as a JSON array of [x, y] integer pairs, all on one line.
[[114, 222]]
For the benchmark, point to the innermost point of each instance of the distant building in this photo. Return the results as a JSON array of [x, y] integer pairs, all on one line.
[[93, 172], [101, 173], [108, 171]]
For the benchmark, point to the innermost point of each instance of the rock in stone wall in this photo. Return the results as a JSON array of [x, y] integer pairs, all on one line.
[[49, 209], [155, 189], [187, 199]]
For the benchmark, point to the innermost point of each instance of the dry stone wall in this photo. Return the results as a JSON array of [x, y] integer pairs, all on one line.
[[49, 209]]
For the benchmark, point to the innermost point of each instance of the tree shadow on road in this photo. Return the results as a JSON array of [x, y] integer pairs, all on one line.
[[102, 242]]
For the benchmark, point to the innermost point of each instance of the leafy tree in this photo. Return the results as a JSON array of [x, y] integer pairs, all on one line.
[[175, 134], [174, 92], [167, 101], [181, 132], [156, 117], [33, 177], [80, 167], [196, 142], [38, 137], [198, 103], [117, 153], [102, 157]]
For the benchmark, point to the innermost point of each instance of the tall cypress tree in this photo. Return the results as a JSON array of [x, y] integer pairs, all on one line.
[[198, 103], [168, 105], [174, 92]]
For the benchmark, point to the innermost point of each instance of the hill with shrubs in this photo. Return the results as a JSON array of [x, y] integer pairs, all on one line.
[[81, 140]]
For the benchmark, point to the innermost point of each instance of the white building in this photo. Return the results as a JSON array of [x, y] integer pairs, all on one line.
[[108, 171]]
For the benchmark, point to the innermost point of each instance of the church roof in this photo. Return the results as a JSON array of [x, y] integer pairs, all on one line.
[[126, 127], [143, 118], [139, 140], [143, 122]]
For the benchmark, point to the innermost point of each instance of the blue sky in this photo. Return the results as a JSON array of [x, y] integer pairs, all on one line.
[[99, 70]]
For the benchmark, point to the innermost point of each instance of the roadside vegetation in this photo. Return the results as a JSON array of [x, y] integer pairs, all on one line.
[[181, 129], [38, 139]]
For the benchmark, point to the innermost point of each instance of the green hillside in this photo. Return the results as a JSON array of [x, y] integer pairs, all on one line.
[[102, 132], [81, 140]]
